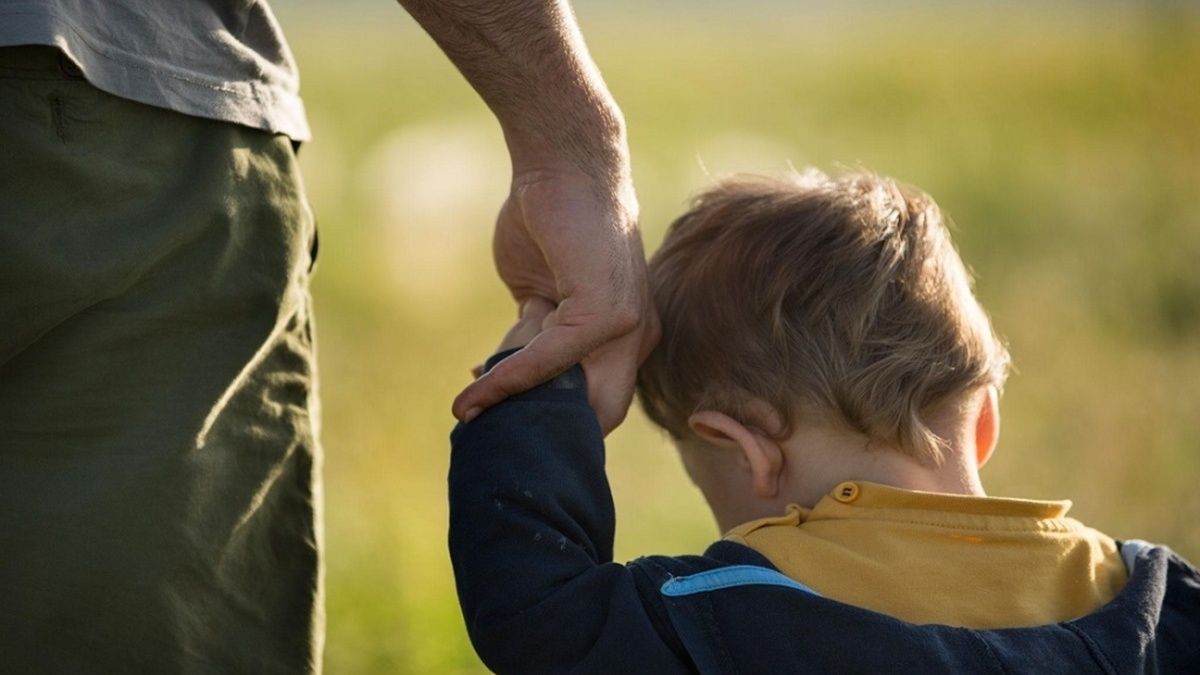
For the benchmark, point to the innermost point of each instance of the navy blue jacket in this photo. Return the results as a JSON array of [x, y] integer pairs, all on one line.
[[531, 535]]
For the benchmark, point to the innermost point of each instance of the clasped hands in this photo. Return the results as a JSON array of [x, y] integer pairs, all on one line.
[[569, 250]]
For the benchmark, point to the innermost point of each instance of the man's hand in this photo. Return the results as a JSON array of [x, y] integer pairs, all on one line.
[[561, 237]]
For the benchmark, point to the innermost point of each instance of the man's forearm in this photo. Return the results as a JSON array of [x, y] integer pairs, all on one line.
[[528, 61]]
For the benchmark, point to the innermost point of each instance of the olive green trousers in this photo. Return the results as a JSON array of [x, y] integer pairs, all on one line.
[[159, 471]]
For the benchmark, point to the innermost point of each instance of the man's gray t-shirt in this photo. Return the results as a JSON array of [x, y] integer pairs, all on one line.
[[219, 59]]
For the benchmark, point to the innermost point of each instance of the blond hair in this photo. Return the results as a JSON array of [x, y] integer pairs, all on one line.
[[826, 298]]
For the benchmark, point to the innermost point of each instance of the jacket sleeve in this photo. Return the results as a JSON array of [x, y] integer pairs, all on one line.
[[531, 536]]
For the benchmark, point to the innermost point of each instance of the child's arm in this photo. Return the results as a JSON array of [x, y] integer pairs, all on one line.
[[531, 533]]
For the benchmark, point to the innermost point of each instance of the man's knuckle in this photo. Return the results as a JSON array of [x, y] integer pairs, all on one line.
[[524, 377], [504, 384], [625, 318]]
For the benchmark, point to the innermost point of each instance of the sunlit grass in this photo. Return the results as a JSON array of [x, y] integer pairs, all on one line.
[[1064, 143]]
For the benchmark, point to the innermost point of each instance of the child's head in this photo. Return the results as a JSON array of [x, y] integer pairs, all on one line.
[[816, 303]]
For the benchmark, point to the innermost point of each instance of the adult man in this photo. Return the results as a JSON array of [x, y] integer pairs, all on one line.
[[159, 473]]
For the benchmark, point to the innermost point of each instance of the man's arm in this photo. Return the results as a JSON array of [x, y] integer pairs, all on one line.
[[568, 230], [527, 60]]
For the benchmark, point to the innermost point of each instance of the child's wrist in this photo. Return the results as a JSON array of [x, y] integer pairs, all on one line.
[[568, 386]]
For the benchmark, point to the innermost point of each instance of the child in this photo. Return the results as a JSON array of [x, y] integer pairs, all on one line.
[[832, 386]]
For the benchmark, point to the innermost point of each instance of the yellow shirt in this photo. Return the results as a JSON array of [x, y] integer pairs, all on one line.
[[924, 557]]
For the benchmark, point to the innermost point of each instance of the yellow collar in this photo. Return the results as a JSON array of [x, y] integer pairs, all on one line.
[[863, 500], [981, 562]]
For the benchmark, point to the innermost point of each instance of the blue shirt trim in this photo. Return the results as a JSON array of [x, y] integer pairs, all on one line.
[[730, 577]]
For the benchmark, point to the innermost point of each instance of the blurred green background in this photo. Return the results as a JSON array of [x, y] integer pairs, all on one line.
[[1064, 141]]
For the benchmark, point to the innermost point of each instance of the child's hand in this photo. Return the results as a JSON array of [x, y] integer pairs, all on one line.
[[535, 316]]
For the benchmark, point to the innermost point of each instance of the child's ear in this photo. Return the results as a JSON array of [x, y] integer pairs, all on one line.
[[760, 454], [987, 426]]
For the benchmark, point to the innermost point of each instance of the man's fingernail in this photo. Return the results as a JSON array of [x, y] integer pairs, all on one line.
[[472, 414]]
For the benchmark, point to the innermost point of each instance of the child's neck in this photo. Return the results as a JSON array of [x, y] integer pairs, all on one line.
[[819, 463]]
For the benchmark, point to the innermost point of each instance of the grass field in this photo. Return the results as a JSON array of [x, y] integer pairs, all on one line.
[[1065, 143]]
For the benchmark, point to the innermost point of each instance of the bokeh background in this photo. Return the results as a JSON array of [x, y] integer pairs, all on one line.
[[1063, 139]]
